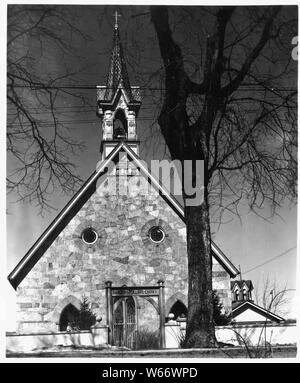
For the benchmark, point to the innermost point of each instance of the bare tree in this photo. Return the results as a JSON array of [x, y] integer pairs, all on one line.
[[232, 104], [38, 142], [273, 297]]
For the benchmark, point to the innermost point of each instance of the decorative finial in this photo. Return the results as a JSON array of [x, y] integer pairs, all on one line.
[[116, 15]]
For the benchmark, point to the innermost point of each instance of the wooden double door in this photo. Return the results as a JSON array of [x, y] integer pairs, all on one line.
[[125, 323]]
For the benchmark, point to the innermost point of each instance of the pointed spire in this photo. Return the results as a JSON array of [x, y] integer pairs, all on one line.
[[117, 78], [117, 69]]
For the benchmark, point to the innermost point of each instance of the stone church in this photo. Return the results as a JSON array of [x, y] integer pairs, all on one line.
[[106, 238]]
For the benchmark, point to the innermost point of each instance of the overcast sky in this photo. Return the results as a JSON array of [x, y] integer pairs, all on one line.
[[248, 241]]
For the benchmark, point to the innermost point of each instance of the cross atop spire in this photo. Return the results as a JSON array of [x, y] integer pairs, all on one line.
[[116, 15]]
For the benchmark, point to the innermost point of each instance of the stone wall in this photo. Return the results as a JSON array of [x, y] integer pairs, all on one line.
[[258, 334], [252, 335], [123, 254], [276, 334], [28, 342]]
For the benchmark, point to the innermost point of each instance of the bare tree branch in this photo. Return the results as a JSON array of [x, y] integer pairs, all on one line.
[[40, 156]]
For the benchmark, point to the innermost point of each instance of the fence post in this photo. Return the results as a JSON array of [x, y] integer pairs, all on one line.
[[161, 304], [109, 309]]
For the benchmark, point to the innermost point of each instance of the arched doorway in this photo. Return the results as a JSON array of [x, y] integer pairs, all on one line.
[[178, 309], [120, 125], [68, 315], [125, 323]]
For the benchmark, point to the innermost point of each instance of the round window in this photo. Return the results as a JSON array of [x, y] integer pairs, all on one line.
[[156, 234], [89, 236]]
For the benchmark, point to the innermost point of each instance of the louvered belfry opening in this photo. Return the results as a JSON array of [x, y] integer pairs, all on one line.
[[120, 128]]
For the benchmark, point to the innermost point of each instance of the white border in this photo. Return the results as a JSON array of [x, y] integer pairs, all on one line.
[[3, 22]]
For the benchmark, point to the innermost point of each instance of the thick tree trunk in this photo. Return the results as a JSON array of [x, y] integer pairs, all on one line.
[[184, 144], [200, 326]]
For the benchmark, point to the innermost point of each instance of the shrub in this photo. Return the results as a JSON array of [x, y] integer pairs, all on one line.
[[147, 339], [220, 318], [86, 318]]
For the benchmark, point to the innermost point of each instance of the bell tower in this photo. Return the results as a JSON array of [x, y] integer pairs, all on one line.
[[118, 102]]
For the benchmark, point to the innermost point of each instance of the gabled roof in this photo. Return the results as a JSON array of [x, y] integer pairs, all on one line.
[[241, 284], [247, 305], [81, 197]]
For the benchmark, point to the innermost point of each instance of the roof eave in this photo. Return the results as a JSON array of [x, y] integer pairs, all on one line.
[[239, 309], [42, 244]]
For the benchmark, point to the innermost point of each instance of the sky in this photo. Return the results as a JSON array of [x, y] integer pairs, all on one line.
[[268, 248]]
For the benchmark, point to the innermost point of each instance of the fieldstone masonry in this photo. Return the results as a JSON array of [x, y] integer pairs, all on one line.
[[123, 254]]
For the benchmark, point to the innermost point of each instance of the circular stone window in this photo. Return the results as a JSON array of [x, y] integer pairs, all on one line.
[[156, 234], [89, 236]]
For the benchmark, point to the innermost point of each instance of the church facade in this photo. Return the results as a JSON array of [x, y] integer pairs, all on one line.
[[105, 236]]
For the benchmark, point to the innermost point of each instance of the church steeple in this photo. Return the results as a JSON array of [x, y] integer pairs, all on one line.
[[117, 74], [118, 101]]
